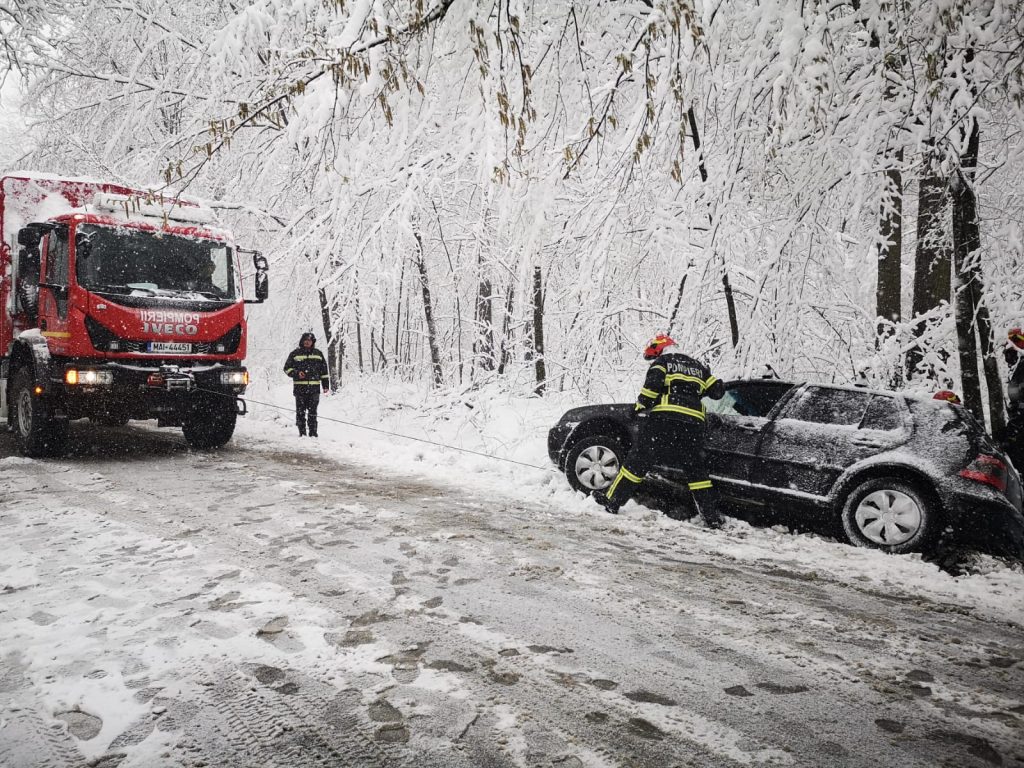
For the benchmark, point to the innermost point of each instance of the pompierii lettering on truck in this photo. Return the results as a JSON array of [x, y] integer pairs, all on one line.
[[168, 323]]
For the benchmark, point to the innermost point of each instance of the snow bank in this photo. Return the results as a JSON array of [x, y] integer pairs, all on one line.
[[512, 428]]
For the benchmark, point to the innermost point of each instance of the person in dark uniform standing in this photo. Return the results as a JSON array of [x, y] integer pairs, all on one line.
[[671, 429], [308, 369]]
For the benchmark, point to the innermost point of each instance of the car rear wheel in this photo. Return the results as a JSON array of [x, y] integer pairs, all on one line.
[[593, 462], [891, 514]]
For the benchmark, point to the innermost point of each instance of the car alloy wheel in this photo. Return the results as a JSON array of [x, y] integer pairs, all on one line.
[[888, 517], [596, 467]]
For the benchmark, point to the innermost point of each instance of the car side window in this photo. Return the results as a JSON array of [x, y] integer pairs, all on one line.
[[882, 413], [748, 399], [838, 407]]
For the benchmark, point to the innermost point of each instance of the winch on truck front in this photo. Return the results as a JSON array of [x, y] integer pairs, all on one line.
[[118, 304]]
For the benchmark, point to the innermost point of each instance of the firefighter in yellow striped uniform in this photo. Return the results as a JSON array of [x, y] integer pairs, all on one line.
[[671, 431], [307, 368]]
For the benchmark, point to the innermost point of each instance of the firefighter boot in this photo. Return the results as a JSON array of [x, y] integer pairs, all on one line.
[[612, 507], [707, 506]]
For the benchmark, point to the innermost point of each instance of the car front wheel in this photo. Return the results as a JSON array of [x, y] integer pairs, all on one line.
[[593, 462], [892, 515]]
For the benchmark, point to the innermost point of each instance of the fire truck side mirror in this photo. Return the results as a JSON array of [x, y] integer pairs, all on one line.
[[27, 285], [262, 281], [29, 237], [28, 297]]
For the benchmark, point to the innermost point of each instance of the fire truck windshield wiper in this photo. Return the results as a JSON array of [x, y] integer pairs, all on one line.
[[116, 289], [120, 290]]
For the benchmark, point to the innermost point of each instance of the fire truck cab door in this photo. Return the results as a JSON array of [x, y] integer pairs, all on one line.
[[55, 290]]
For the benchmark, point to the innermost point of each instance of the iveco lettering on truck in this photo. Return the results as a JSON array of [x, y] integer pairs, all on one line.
[[118, 304]]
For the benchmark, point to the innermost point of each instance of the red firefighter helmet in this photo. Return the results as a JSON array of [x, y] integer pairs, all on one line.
[[1016, 335], [657, 345], [948, 395]]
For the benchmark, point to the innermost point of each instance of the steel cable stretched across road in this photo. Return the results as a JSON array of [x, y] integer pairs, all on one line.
[[393, 434]]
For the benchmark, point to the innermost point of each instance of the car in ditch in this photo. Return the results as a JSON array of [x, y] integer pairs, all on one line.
[[887, 470]]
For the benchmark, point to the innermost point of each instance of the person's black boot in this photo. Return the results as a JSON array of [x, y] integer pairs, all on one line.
[[708, 510], [610, 506]]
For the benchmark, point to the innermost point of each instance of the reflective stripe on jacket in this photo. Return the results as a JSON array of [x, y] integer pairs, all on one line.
[[675, 385], [311, 362]]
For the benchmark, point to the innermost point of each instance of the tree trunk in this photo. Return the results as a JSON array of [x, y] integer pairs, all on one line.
[[398, 313], [359, 326], [972, 312], [483, 346], [730, 301], [966, 342], [890, 251], [333, 343], [506, 329], [931, 258], [731, 305], [538, 330], [428, 313], [675, 309]]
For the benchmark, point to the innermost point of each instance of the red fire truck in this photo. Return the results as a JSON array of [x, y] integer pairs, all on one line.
[[117, 304]]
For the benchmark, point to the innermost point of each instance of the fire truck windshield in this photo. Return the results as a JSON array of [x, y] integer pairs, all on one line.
[[124, 261]]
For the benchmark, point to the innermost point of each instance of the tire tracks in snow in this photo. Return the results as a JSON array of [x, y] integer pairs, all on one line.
[[364, 548]]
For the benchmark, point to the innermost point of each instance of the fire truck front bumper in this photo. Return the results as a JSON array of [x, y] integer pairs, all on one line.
[[141, 390]]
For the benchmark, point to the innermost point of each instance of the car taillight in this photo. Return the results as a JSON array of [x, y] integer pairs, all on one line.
[[987, 469]]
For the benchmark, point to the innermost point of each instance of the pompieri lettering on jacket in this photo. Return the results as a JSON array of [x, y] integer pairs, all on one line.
[[167, 323]]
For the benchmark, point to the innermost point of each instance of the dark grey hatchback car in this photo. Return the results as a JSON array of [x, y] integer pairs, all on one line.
[[891, 471]]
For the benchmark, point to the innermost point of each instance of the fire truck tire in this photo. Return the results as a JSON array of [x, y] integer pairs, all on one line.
[[36, 431], [210, 421]]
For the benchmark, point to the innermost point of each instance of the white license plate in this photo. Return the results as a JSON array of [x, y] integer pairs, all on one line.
[[169, 346]]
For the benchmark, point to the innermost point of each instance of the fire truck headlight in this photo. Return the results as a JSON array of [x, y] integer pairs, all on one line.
[[73, 376], [234, 379]]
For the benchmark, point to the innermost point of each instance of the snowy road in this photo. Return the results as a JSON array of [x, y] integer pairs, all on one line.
[[270, 607]]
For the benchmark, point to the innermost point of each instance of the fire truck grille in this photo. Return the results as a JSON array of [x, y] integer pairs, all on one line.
[[105, 340]]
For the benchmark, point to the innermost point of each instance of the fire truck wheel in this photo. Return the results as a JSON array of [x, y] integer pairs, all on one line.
[[210, 421], [36, 432]]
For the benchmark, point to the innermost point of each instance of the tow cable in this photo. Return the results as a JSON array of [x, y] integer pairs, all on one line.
[[321, 417]]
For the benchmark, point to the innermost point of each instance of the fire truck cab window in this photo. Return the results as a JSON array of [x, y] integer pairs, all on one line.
[[57, 257], [130, 261], [57, 268]]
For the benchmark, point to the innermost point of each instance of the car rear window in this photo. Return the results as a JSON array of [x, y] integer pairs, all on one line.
[[882, 413], [839, 407], [946, 418]]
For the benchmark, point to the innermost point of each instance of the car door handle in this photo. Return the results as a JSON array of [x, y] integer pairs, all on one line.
[[747, 427]]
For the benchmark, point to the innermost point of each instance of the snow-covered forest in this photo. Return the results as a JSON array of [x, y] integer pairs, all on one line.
[[461, 192]]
